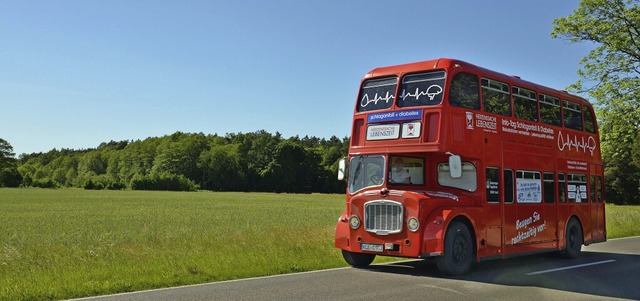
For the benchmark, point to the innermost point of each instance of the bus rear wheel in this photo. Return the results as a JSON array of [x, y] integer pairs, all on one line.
[[358, 260], [573, 239], [458, 250]]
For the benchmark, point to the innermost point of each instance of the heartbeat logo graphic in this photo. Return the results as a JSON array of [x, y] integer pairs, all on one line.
[[366, 101], [431, 92]]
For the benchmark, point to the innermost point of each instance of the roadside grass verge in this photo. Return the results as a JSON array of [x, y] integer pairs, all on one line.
[[67, 243]]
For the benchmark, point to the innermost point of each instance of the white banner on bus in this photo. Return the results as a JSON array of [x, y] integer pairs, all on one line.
[[383, 131], [529, 190], [577, 193]]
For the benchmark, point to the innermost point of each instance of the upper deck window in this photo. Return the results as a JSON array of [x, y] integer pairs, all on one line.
[[495, 97], [464, 91], [572, 115], [377, 94], [550, 110], [422, 89], [525, 104]]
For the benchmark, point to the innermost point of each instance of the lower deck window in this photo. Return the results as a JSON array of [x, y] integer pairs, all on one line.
[[467, 182], [577, 188], [528, 186]]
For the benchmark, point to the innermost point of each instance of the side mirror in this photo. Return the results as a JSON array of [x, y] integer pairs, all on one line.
[[455, 166], [342, 169]]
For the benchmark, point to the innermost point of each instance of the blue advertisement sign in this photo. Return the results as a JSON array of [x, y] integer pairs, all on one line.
[[395, 116]]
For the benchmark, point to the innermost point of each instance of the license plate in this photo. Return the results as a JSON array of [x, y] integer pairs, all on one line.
[[371, 247]]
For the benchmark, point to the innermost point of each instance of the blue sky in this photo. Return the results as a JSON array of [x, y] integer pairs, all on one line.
[[74, 74]]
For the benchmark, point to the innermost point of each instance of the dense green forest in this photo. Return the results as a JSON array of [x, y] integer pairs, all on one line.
[[258, 161]]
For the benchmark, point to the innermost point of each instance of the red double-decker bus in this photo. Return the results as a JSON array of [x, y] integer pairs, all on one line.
[[455, 162]]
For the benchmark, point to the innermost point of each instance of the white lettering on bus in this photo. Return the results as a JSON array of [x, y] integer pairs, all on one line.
[[486, 122], [526, 129], [382, 116], [576, 165], [396, 115], [382, 131], [588, 145], [531, 229]]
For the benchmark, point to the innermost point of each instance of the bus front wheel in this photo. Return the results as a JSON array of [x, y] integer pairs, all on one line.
[[458, 250], [358, 260], [573, 239]]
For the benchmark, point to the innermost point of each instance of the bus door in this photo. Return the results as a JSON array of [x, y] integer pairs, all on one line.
[[510, 214], [596, 202], [527, 218], [533, 216], [550, 203]]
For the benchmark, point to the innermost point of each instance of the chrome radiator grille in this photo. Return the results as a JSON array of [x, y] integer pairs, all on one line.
[[383, 217]]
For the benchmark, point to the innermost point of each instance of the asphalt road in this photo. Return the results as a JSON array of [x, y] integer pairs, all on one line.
[[608, 270]]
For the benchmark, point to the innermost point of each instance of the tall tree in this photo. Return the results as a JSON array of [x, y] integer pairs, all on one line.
[[9, 176], [6, 153], [610, 74]]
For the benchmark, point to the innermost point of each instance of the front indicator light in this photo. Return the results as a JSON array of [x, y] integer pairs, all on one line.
[[354, 222], [413, 224]]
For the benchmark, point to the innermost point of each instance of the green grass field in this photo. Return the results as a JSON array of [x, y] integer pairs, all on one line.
[[69, 243], [622, 221]]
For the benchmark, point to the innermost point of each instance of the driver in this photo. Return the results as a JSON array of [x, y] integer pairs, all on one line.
[[398, 173]]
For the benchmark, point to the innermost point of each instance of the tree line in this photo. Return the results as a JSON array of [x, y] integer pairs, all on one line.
[[257, 161]]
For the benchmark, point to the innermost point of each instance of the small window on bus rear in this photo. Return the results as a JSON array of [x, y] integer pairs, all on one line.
[[467, 182], [464, 91], [589, 120], [550, 110], [572, 115], [423, 89], [377, 94], [495, 97], [599, 188]]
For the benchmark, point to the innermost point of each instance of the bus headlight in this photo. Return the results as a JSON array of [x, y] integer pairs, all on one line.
[[354, 222], [413, 224]]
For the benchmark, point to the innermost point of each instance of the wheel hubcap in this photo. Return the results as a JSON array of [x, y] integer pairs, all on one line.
[[459, 249]]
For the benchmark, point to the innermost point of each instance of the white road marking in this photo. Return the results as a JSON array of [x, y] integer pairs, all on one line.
[[570, 267], [443, 288]]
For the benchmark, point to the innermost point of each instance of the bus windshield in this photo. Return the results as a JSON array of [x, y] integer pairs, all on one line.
[[406, 170], [366, 171]]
